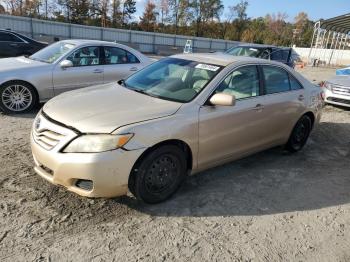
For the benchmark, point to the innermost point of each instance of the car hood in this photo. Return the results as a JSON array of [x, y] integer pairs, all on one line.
[[17, 63], [104, 108], [342, 80]]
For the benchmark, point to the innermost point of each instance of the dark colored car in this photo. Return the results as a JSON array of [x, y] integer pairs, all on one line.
[[279, 54], [14, 44]]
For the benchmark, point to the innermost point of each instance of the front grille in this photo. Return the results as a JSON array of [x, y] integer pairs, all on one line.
[[48, 139], [339, 100], [341, 90]]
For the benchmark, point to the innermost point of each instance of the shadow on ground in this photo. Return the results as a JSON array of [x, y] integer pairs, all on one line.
[[269, 182]]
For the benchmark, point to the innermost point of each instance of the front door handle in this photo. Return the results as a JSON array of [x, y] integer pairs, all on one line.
[[134, 68], [14, 45], [98, 71], [301, 98], [258, 107]]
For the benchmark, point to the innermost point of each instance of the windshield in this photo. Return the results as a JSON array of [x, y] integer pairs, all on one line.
[[51, 53], [173, 79], [244, 51]]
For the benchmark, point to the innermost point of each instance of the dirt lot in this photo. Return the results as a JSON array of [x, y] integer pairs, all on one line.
[[272, 206]]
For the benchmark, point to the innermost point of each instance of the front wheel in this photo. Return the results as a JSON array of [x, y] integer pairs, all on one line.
[[159, 174], [300, 134], [17, 97]]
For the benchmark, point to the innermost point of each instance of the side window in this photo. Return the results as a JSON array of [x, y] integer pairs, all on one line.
[[265, 54], [280, 55], [7, 37], [294, 84], [277, 55], [86, 56], [115, 55], [276, 80], [285, 55], [131, 58], [242, 83]]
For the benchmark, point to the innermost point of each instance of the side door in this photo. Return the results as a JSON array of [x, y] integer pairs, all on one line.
[[87, 70], [119, 64], [231, 131], [283, 100]]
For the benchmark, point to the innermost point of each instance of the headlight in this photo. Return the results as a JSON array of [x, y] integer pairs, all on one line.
[[97, 143]]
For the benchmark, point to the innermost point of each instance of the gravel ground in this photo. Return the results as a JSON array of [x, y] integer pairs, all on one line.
[[271, 206]]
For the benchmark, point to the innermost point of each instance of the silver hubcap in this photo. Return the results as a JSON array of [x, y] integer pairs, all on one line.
[[16, 98]]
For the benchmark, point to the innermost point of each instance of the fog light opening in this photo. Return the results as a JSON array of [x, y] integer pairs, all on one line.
[[46, 169], [84, 184]]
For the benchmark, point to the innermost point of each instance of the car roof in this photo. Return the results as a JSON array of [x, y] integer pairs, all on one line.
[[89, 42], [221, 59], [261, 46]]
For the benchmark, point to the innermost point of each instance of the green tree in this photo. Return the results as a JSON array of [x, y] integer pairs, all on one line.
[[240, 23], [148, 20], [2, 10], [205, 11], [116, 13], [129, 8]]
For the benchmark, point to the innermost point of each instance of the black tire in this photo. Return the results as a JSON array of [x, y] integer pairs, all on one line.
[[159, 174], [300, 134], [26, 101]]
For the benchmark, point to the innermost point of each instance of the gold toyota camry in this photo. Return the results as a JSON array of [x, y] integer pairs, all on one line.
[[176, 117]]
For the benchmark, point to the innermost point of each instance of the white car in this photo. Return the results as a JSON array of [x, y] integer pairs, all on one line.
[[337, 90], [64, 66]]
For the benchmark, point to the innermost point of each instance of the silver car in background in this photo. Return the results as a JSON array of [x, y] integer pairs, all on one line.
[[61, 67], [337, 90]]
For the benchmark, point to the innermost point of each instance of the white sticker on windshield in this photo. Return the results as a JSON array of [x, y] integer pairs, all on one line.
[[207, 67]]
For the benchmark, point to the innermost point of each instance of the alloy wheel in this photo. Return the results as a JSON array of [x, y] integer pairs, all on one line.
[[16, 98]]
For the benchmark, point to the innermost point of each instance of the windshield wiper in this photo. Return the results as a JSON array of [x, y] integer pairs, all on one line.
[[141, 91]]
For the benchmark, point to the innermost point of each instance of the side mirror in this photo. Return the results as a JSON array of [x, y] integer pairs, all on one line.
[[222, 99], [66, 63]]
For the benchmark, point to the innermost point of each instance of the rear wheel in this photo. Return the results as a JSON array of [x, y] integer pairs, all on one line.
[[17, 97], [300, 134], [159, 174]]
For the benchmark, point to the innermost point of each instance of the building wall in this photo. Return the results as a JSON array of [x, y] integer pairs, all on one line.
[[334, 57]]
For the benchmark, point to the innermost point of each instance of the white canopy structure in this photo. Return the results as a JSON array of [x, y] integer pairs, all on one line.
[[330, 38]]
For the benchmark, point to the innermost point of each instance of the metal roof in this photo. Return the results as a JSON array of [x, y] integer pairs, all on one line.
[[339, 24]]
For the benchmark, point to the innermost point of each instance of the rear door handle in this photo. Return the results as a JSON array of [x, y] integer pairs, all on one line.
[[98, 71], [13, 44], [258, 107], [134, 68]]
